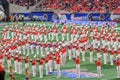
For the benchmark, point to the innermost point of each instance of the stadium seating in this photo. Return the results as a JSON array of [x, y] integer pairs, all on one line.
[[80, 5], [24, 2], [100, 6]]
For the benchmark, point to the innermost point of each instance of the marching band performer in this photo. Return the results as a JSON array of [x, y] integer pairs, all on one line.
[[15, 62], [9, 60], [63, 31], [47, 64], [63, 54], [2, 58], [112, 56], [77, 61], [57, 59], [37, 47], [41, 48], [26, 61], [50, 55], [41, 62], [105, 50], [91, 53], [98, 64], [83, 53], [98, 51], [33, 61], [70, 51], [117, 63], [19, 63], [56, 34]]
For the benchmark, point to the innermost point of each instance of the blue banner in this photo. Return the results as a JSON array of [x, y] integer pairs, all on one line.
[[87, 16], [46, 16], [66, 17], [39, 16]]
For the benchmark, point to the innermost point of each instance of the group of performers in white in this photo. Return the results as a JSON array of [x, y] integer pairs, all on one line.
[[46, 43]]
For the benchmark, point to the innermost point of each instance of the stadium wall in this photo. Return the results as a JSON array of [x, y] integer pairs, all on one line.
[[77, 18]]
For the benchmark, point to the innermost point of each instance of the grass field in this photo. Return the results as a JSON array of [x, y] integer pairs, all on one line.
[[108, 71]]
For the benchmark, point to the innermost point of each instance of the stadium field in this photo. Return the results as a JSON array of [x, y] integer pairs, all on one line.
[[108, 71]]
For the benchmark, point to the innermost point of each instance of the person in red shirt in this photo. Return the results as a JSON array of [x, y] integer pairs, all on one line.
[[83, 53], [112, 56], [19, 63], [77, 50], [72, 34], [51, 48], [98, 64], [57, 59], [55, 54], [53, 31], [64, 28], [15, 61], [98, 51], [63, 55], [31, 45], [41, 62], [45, 35], [91, 53], [117, 63], [56, 34], [50, 55], [2, 58], [26, 61], [105, 51], [37, 46], [118, 52], [108, 43], [46, 47], [47, 64], [70, 50], [34, 66], [40, 34], [9, 60], [41, 48], [49, 31], [77, 62], [23, 46], [36, 35]]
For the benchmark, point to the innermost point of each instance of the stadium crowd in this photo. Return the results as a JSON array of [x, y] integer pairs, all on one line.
[[72, 5], [24, 2], [80, 5]]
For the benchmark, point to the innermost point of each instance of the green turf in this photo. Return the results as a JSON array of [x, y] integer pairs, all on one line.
[[109, 72]]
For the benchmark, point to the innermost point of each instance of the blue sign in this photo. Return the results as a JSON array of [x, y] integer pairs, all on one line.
[[46, 16]]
